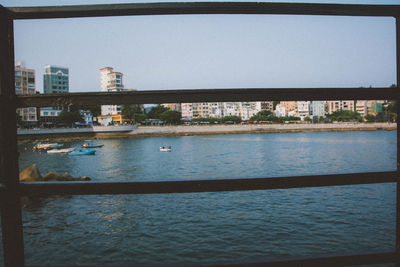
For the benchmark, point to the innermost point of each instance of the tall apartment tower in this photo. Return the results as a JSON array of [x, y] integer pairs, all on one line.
[[55, 81], [25, 85], [110, 81]]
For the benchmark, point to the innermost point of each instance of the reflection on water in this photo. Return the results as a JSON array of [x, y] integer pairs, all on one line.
[[225, 226]]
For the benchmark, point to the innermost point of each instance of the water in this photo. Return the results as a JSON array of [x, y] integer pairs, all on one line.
[[210, 227]]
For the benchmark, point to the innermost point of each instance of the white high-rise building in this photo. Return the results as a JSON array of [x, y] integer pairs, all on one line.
[[110, 81]]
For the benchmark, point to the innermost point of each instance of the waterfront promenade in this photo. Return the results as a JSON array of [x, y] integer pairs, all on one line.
[[144, 131], [258, 128]]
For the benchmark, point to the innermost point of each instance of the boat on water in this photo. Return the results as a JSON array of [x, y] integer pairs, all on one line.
[[63, 150], [41, 146], [165, 149], [89, 145], [82, 152]]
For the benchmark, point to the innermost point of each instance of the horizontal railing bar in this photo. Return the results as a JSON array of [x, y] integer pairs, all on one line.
[[340, 260], [346, 260], [195, 186], [206, 95], [181, 8]]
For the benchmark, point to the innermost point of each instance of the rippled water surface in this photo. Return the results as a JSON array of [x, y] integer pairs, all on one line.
[[209, 227]]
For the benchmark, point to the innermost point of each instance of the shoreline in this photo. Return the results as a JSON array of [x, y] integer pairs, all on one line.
[[181, 130]]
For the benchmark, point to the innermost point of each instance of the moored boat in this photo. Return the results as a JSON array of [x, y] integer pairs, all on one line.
[[41, 146], [82, 152], [88, 145], [64, 150], [165, 149]]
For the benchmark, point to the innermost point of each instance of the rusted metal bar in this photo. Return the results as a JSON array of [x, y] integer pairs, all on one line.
[[192, 8], [345, 260], [206, 95], [11, 222], [398, 139], [195, 186]]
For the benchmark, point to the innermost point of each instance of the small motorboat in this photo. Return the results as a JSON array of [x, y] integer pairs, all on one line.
[[82, 152], [165, 149], [41, 146], [64, 150], [88, 145]]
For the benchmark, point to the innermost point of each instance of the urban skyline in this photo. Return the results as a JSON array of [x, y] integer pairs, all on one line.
[[215, 51], [56, 80]]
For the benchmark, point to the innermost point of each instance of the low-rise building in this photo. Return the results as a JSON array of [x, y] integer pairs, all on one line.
[[303, 109]]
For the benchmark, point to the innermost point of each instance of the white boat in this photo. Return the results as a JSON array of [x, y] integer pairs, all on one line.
[[165, 149], [41, 146], [64, 150]]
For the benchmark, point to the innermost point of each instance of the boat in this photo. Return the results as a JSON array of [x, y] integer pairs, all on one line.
[[88, 145], [41, 146], [165, 149], [64, 150], [82, 152]]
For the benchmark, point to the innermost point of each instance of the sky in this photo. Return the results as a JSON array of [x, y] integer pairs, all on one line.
[[211, 51]]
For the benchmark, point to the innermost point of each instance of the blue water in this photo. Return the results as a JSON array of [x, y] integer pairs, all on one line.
[[213, 227]]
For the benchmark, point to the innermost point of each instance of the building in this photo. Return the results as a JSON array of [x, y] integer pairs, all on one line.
[[303, 109], [289, 106], [231, 109], [173, 106], [216, 109], [55, 81], [362, 107], [200, 110], [186, 109], [25, 84], [340, 105], [318, 109], [375, 107], [267, 105], [110, 81], [249, 109], [280, 110]]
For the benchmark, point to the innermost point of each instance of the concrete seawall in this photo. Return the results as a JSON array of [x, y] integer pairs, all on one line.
[[146, 131], [258, 128]]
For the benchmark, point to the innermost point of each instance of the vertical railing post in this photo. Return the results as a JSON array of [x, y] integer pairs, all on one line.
[[11, 217], [397, 98]]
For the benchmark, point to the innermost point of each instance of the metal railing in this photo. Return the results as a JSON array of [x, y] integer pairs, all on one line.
[[11, 190]]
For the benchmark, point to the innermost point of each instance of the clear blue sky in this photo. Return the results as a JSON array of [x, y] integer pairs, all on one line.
[[212, 51]]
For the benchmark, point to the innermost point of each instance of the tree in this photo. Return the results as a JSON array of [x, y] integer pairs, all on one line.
[[171, 116], [234, 119], [139, 117], [155, 112], [370, 118], [345, 115], [131, 111], [264, 115], [307, 119], [69, 117]]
